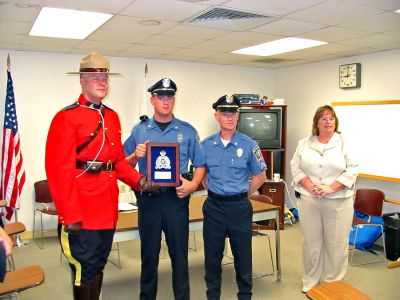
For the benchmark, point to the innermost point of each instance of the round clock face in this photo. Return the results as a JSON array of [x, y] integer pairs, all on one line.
[[349, 76]]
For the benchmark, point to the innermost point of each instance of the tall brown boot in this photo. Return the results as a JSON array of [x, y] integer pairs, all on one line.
[[97, 283], [83, 292]]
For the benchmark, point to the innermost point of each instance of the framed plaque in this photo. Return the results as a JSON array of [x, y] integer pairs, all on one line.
[[163, 163]]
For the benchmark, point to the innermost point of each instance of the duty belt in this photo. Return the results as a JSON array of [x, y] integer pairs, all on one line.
[[235, 197], [95, 166], [167, 189]]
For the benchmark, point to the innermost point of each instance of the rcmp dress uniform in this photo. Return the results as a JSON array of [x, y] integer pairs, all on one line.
[[165, 211], [227, 210], [87, 192]]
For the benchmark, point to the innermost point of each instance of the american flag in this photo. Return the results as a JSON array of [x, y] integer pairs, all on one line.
[[12, 169]]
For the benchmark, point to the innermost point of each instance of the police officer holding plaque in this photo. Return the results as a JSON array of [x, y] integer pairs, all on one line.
[[231, 159], [167, 211]]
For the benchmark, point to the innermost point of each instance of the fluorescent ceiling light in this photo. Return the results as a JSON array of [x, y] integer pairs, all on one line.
[[397, 11], [67, 23], [279, 46]]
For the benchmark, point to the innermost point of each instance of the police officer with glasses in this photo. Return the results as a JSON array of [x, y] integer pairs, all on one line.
[[235, 169]]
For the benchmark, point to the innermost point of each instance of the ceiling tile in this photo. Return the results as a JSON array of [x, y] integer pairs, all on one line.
[[142, 49], [51, 42], [14, 27], [217, 46], [193, 53], [195, 31], [378, 23], [372, 40], [126, 23], [389, 5], [22, 13], [118, 36], [364, 26], [334, 12], [103, 46], [162, 40], [333, 34], [288, 27], [248, 38], [272, 7], [7, 38], [164, 10], [105, 6]]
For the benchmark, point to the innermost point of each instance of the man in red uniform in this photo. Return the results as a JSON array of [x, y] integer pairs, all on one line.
[[84, 159]]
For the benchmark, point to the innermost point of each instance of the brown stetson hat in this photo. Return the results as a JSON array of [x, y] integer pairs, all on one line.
[[94, 63]]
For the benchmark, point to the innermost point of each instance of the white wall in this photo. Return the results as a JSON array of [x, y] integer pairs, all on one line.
[[42, 88], [309, 86]]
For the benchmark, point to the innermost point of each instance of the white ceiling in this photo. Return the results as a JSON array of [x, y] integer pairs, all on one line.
[[351, 27]]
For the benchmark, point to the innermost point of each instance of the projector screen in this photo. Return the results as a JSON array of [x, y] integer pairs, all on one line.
[[372, 135]]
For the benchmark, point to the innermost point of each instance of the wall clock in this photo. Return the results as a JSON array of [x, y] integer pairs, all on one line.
[[350, 76]]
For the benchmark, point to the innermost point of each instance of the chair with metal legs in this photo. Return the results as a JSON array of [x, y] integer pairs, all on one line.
[[368, 202], [45, 206], [256, 232]]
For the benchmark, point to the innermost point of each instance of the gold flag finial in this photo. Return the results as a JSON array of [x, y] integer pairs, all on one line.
[[8, 62]]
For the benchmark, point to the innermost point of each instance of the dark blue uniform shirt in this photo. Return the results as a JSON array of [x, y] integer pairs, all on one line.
[[229, 168]]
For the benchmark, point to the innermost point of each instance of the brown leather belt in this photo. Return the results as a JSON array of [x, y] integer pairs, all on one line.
[[95, 167]]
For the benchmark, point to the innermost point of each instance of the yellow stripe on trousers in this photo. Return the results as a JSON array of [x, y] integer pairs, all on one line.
[[70, 258]]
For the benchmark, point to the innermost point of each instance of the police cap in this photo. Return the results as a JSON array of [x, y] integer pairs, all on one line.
[[163, 87], [227, 103]]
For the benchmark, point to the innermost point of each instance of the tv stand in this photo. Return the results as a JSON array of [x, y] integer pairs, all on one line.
[[276, 163]]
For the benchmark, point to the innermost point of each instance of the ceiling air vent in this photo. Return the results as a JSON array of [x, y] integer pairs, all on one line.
[[219, 13], [225, 18]]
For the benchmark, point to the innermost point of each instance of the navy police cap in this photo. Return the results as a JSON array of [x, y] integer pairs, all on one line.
[[227, 103], [163, 87]]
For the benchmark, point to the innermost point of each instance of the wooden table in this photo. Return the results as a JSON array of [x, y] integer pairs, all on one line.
[[336, 290], [127, 226]]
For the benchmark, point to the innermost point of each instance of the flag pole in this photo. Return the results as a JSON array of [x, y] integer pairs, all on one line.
[[8, 62], [143, 114]]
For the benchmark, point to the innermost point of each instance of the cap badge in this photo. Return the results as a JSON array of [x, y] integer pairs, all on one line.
[[166, 82], [229, 99], [239, 152], [163, 161], [180, 137]]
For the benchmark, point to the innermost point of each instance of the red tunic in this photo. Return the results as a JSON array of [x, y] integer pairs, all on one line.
[[89, 198]]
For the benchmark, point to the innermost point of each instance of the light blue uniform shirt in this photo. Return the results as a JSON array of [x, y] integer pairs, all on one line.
[[177, 132], [230, 168]]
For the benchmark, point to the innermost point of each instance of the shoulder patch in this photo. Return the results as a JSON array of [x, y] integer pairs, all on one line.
[[257, 153], [72, 106]]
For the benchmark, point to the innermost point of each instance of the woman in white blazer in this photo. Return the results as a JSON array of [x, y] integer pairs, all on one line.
[[324, 176]]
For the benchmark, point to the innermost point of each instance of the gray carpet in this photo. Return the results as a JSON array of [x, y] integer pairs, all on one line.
[[374, 279]]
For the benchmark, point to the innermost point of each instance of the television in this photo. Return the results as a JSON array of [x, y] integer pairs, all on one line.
[[262, 125]]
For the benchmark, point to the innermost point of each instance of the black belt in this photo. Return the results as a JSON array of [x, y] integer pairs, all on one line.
[[167, 189], [219, 197], [95, 166]]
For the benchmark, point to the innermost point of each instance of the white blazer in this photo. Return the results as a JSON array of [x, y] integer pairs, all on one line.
[[324, 164]]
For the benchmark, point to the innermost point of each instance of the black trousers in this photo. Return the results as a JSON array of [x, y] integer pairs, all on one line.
[[170, 214], [228, 219], [86, 253]]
